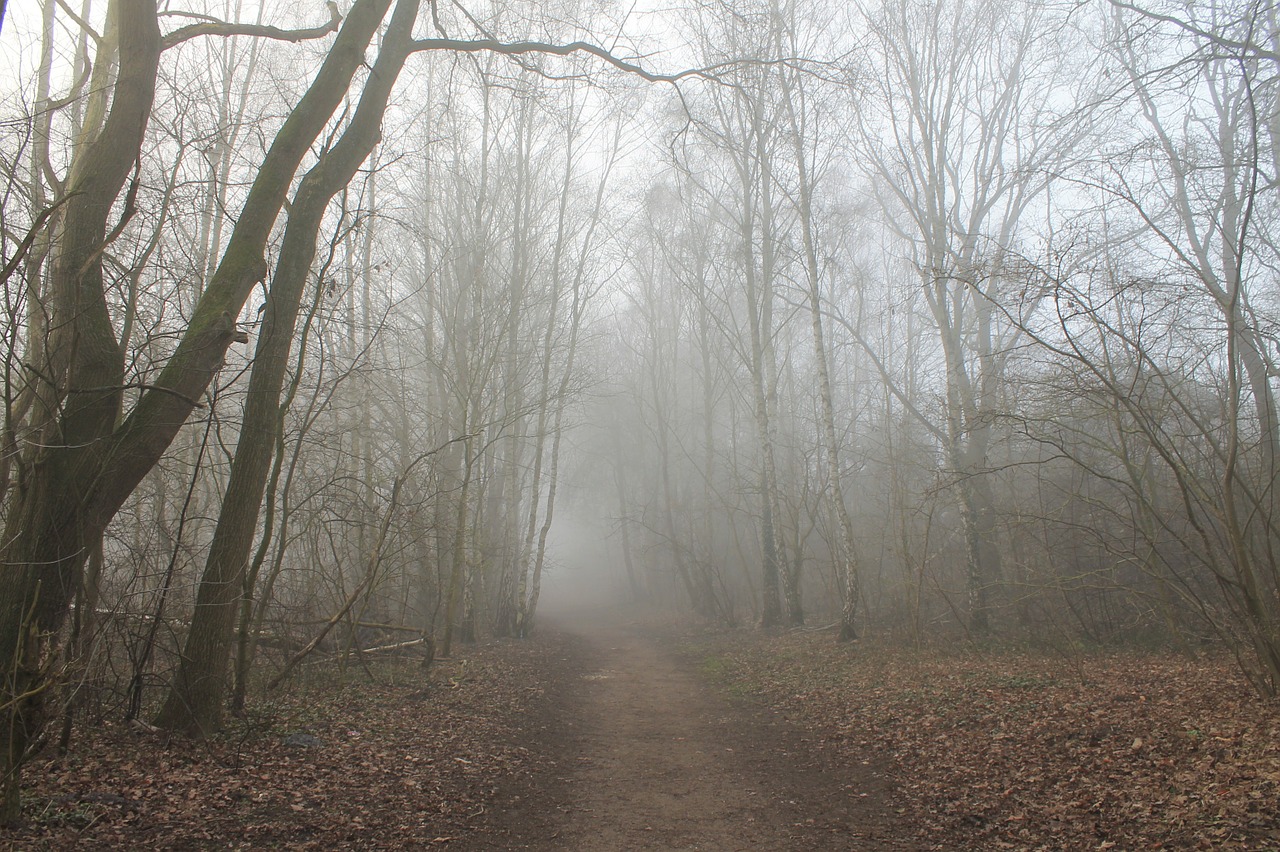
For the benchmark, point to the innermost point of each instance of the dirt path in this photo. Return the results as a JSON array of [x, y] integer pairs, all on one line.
[[645, 755]]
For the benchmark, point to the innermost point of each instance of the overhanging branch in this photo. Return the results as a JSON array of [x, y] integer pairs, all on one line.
[[225, 29], [1236, 47], [517, 48]]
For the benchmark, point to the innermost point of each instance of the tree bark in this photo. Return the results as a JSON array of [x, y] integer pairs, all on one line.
[[82, 467], [194, 705], [51, 525]]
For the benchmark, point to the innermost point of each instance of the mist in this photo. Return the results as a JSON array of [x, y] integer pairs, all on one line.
[[688, 323], [584, 577]]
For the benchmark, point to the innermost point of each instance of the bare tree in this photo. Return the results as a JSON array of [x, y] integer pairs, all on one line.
[[53, 519], [806, 115], [195, 701], [964, 137]]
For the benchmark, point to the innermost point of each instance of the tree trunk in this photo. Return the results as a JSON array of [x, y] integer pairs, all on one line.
[[56, 516], [459, 554], [846, 559], [51, 526], [761, 351], [195, 702]]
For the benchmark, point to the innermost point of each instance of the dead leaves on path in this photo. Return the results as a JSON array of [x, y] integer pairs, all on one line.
[[399, 763], [1019, 751], [1013, 751]]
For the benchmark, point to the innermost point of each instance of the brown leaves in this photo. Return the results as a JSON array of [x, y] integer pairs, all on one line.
[[405, 764], [1004, 751], [1024, 752]]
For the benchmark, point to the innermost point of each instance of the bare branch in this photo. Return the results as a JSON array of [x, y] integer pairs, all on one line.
[[1236, 48], [30, 238], [81, 22], [145, 386], [517, 48], [224, 28]]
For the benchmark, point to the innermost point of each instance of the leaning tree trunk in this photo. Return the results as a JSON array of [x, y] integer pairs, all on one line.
[[529, 607], [83, 467], [50, 529], [194, 705]]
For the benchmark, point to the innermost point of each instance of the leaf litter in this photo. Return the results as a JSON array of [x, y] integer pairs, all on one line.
[[998, 750], [393, 758], [1017, 750]]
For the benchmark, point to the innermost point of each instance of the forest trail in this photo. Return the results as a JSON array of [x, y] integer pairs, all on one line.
[[647, 755]]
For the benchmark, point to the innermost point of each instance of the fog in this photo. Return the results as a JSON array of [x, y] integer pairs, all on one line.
[[921, 321], [584, 577]]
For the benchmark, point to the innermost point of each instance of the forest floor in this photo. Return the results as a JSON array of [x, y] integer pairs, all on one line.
[[650, 754], [610, 735]]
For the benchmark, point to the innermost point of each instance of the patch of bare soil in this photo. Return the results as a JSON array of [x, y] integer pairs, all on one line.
[[649, 755], [603, 738], [1031, 751]]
